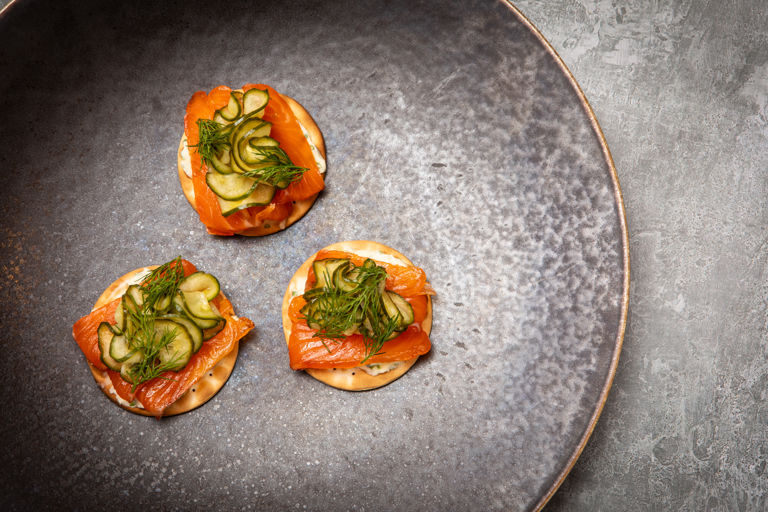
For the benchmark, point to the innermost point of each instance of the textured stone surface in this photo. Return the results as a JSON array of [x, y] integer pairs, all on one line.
[[680, 89]]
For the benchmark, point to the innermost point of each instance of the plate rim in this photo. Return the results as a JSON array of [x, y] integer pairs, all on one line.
[[619, 201], [622, 217]]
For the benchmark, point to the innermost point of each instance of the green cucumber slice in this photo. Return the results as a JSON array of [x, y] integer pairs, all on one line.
[[256, 130], [177, 352], [237, 168], [162, 304], [390, 308], [324, 270], [205, 323], [256, 150], [119, 349], [120, 316], [231, 187], [345, 277], [199, 307], [213, 331], [134, 292], [126, 371], [251, 128], [263, 142], [254, 101], [178, 304], [368, 323], [261, 196], [404, 308], [314, 311], [226, 131], [232, 110], [313, 293], [221, 162], [195, 332], [106, 335], [130, 310], [201, 282]]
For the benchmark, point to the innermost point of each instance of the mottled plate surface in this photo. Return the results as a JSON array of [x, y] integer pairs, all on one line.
[[454, 135]]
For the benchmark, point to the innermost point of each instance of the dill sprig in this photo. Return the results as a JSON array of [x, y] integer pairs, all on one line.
[[337, 313], [213, 139], [279, 171], [146, 341], [276, 168], [160, 284]]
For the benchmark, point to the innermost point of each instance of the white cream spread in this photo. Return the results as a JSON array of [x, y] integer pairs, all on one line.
[[109, 388], [319, 160], [186, 163], [378, 368], [135, 279]]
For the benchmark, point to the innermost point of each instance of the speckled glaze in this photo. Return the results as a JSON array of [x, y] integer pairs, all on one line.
[[454, 135]]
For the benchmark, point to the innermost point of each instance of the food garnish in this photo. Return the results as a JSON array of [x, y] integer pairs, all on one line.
[[160, 323], [349, 299], [357, 315], [274, 166], [251, 161], [157, 333]]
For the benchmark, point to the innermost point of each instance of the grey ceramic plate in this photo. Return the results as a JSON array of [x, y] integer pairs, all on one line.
[[454, 134]]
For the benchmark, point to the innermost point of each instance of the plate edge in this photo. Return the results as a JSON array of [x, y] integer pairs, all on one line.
[[625, 255]]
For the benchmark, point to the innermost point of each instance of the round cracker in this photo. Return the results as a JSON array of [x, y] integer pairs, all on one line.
[[299, 207], [352, 379], [202, 391]]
